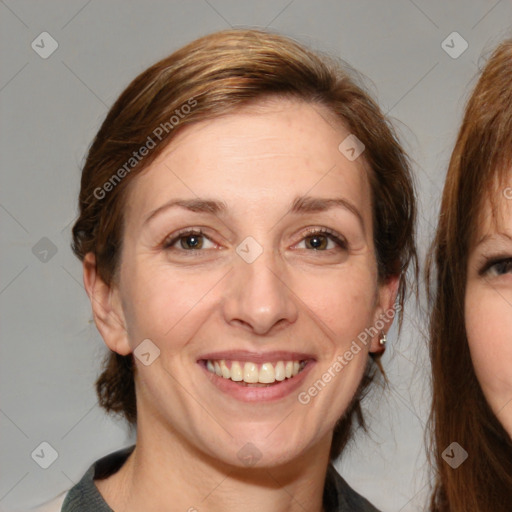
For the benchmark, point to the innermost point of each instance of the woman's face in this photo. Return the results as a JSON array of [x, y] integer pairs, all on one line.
[[489, 307], [221, 262]]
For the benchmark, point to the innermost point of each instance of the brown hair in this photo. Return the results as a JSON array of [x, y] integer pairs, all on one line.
[[215, 75], [479, 165]]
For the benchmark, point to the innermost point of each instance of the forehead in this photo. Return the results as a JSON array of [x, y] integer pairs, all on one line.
[[495, 213], [261, 153]]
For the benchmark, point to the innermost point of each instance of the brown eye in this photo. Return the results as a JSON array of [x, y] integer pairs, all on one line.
[[317, 242], [191, 240], [324, 240]]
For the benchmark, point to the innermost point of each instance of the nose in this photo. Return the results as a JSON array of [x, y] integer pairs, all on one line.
[[258, 297]]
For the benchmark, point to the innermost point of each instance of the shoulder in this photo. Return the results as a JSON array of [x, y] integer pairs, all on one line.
[[344, 498], [55, 505], [84, 495]]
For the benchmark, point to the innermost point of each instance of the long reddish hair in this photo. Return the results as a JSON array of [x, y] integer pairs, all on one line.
[[479, 168]]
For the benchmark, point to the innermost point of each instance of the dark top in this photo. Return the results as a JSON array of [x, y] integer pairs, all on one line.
[[85, 497]]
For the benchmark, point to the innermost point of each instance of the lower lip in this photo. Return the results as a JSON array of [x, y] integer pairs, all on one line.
[[258, 394]]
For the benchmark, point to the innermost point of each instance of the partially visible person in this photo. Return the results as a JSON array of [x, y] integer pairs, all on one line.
[[470, 276]]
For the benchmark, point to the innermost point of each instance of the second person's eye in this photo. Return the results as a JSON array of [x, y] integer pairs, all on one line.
[[500, 267]]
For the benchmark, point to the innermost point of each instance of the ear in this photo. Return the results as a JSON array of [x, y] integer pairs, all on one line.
[[106, 308], [385, 311]]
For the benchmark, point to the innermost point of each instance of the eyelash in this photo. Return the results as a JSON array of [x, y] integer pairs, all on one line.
[[329, 233], [494, 262], [172, 239], [332, 235]]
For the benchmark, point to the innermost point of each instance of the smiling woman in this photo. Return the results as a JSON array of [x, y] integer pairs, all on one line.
[[265, 236]]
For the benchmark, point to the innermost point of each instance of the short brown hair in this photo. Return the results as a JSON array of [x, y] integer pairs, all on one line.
[[479, 165], [220, 73]]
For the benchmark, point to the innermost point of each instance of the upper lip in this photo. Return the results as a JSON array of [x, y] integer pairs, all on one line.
[[257, 357]]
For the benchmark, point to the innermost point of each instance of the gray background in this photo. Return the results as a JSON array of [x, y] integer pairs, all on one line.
[[51, 109]]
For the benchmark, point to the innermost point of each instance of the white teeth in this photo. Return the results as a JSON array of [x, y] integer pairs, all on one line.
[[267, 374], [279, 372], [251, 373], [236, 372], [224, 369]]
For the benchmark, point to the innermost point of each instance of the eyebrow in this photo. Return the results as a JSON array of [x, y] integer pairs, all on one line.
[[194, 205], [308, 204], [301, 204], [487, 237]]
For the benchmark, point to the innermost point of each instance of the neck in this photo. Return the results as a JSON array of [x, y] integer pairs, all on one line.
[[164, 473]]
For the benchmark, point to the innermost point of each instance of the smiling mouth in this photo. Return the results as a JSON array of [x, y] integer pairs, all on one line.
[[252, 374]]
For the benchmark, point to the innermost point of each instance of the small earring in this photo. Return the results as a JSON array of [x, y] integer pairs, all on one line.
[[383, 339]]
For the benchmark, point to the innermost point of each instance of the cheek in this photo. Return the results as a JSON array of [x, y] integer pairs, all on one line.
[[163, 305], [343, 302], [488, 326], [169, 307]]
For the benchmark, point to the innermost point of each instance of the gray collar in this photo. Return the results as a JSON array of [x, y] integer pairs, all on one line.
[[85, 497]]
